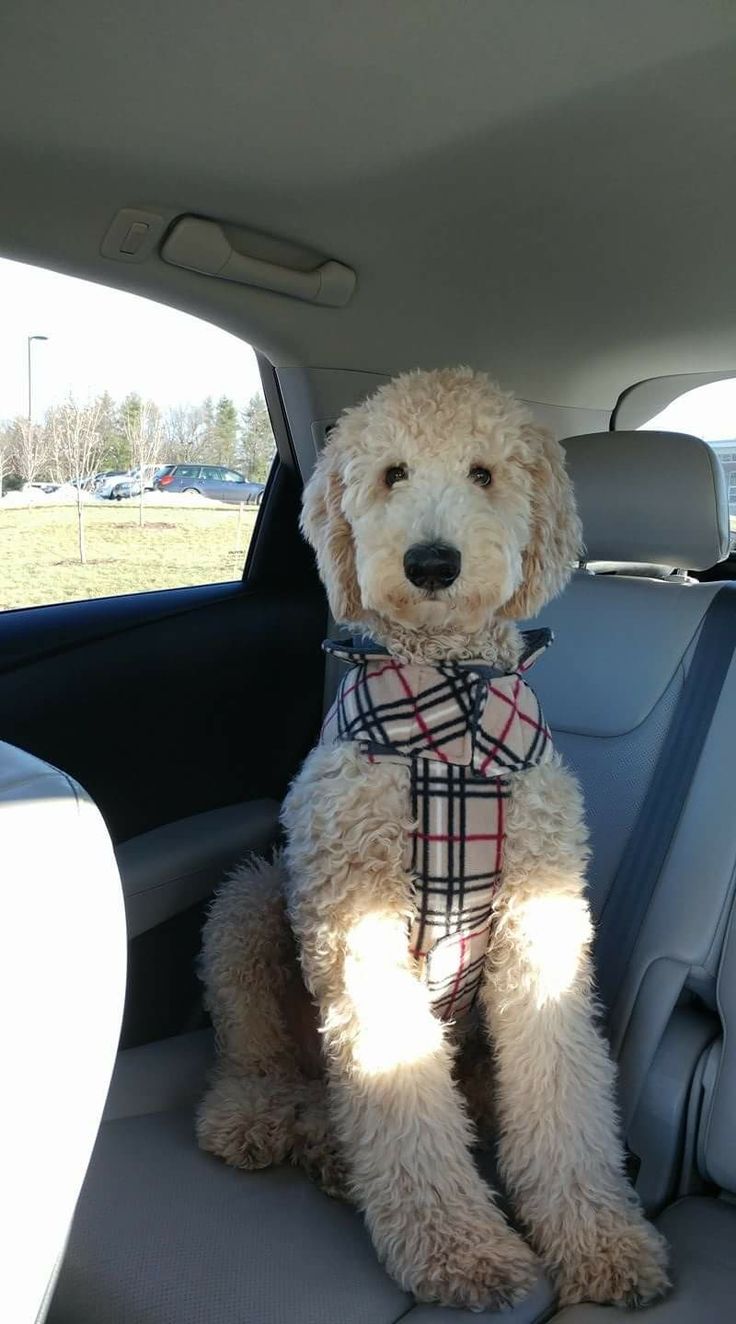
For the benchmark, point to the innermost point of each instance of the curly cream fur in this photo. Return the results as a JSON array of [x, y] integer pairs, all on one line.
[[266, 1102], [518, 537], [389, 1123], [560, 1154]]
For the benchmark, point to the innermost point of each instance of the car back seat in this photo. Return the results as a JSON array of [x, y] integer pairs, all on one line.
[[167, 1234]]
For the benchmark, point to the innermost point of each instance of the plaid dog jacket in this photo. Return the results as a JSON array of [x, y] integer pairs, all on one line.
[[461, 728]]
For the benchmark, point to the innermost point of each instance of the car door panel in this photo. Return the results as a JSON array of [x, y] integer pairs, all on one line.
[[167, 704], [190, 708], [156, 728]]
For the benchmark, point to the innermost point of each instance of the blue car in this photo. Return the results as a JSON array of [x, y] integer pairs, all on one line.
[[210, 480]]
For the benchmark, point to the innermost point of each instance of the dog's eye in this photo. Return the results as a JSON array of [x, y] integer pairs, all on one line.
[[396, 474], [483, 477]]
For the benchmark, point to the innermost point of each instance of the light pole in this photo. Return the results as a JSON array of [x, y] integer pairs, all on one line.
[[30, 391]]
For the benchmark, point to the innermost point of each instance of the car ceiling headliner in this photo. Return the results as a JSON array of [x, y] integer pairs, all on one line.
[[546, 189]]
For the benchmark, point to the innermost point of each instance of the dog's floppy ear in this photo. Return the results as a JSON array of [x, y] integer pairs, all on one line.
[[326, 528], [556, 536]]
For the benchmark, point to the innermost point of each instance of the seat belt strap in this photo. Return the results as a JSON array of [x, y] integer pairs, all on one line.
[[645, 853]]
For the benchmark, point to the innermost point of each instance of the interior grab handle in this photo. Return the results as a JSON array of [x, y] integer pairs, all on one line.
[[203, 246]]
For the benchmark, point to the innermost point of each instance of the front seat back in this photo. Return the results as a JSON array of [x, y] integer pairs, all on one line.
[[64, 962], [627, 665]]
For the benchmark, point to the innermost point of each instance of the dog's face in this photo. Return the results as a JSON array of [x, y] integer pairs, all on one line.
[[437, 505]]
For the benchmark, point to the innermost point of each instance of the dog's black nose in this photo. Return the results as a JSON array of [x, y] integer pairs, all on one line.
[[432, 565]]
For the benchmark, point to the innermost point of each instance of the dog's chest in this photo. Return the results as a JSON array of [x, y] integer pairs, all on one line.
[[461, 729], [454, 853]]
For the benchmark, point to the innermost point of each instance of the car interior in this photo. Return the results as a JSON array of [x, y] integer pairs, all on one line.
[[544, 192]]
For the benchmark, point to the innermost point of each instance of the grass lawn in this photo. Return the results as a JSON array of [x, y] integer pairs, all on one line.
[[178, 545]]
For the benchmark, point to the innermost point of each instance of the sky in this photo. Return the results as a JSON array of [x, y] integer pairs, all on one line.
[[102, 339], [708, 411]]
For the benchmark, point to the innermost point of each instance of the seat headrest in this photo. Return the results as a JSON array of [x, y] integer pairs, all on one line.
[[658, 497]]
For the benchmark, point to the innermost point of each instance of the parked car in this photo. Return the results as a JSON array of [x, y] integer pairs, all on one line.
[[211, 480], [48, 488], [130, 485], [103, 483]]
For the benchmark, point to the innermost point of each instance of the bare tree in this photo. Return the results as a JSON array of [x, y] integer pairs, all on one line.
[[29, 449], [77, 445], [6, 448], [57, 462], [186, 433], [145, 434]]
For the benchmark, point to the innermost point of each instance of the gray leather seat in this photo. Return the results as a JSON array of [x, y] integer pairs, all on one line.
[[166, 1234], [64, 958]]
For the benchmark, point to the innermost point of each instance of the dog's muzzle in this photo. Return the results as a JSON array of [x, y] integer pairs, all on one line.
[[432, 565]]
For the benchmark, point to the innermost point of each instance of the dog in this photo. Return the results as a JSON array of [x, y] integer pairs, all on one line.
[[440, 516]]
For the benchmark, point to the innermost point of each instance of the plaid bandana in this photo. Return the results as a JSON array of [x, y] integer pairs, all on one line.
[[461, 728]]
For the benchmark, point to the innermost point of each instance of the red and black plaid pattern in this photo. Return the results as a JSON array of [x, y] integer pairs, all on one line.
[[462, 728]]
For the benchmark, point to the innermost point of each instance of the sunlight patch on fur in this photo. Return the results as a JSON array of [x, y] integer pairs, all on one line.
[[556, 931], [395, 1025]]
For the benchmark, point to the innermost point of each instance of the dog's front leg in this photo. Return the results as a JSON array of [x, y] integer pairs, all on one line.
[[560, 1150], [400, 1121]]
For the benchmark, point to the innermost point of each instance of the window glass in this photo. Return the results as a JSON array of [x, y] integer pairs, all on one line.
[[110, 405], [708, 411], [230, 476]]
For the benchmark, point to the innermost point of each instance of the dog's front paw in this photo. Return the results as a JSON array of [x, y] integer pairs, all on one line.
[[614, 1259], [325, 1167], [316, 1149], [478, 1267]]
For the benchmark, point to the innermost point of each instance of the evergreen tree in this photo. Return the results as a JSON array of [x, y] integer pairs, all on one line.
[[209, 443], [256, 446], [126, 426], [225, 432], [114, 450]]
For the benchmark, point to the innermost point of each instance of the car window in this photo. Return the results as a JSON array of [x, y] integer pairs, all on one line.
[[91, 476], [230, 476], [706, 410]]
